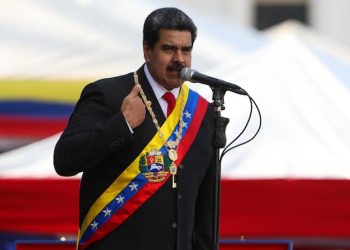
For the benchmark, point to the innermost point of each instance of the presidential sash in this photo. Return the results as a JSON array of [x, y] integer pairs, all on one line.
[[146, 174]]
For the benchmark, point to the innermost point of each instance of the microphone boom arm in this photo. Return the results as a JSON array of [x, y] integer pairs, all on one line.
[[192, 75], [220, 84]]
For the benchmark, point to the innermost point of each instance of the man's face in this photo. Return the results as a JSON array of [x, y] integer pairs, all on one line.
[[170, 53]]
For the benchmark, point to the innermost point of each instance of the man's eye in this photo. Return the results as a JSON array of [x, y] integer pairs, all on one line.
[[169, 49], [172, 49], [187, 50]]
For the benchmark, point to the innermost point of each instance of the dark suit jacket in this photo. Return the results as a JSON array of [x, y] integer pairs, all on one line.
[[98, 142]]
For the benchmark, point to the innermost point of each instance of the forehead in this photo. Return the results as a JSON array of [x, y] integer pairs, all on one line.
[[175, 37]]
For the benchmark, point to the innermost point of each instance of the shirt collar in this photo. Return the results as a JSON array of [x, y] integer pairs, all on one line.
[[158, 89]]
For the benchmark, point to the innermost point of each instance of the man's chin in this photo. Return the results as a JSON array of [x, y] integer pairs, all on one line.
[[172, 84]]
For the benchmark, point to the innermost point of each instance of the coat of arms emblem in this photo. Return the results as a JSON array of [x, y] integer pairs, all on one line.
[[154, 165]]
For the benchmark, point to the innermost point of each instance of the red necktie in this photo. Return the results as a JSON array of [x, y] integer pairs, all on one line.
[[170, 99]]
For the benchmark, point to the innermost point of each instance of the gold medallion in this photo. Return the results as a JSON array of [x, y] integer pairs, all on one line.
[[172, 154], [171, 144]]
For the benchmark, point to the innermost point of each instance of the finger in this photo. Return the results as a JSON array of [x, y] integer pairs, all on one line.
[[135, 91]]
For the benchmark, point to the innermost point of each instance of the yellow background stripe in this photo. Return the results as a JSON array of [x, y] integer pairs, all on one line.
[[67, 91]]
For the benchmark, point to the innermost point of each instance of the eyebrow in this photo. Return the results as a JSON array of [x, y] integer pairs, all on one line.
[[173, 47]]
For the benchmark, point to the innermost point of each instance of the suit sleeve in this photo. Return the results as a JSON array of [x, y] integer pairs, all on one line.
[[93, 132], [204, 221]]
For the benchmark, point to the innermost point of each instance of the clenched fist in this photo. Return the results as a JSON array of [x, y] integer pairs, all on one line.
[[133, 109]]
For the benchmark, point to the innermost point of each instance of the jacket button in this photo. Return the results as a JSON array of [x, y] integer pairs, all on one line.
[[179, 196], [181, 166], [174, 225]]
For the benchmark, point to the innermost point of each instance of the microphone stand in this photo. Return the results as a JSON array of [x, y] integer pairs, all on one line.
[[218, 141]]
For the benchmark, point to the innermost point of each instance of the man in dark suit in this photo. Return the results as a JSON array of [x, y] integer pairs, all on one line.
[[143, 143]]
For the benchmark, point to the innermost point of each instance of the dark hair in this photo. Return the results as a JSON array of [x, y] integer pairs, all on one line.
[[166, 18]]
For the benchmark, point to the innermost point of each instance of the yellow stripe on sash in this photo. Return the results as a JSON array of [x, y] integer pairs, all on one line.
[[133, 169]]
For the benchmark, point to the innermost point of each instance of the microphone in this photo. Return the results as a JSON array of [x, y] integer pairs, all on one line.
[[192, 75]]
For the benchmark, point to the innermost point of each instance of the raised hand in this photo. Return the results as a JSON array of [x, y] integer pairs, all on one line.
[[133, 108]]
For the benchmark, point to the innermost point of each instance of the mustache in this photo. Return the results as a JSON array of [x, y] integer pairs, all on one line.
[[175, 66]]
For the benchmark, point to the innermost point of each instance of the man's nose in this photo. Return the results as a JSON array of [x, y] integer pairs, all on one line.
[[178, 56]]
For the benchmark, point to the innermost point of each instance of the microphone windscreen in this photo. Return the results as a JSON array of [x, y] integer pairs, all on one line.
[[186, 74]]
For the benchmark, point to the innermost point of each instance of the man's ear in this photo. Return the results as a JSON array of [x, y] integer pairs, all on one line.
[[147, 50]]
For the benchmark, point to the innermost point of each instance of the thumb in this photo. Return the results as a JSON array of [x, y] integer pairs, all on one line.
[[135, 91]]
